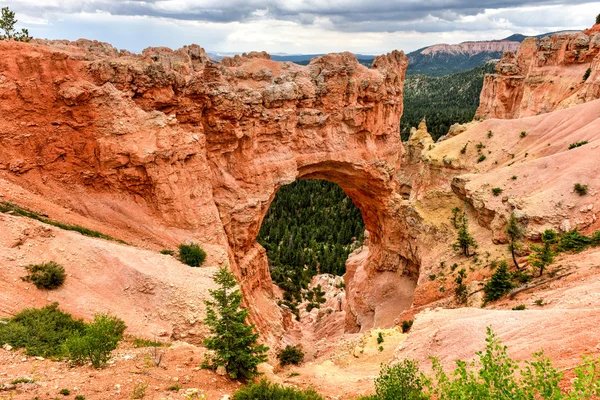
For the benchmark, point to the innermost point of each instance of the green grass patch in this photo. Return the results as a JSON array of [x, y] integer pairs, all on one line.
[[266, 390], [141, 343], [6, 207]]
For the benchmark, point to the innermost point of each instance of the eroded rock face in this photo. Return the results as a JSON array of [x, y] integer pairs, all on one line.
[[204, 146], [545, 75]]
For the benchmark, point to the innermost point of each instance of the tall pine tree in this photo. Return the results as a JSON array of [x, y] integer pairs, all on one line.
[[464, 241], [232, 340]]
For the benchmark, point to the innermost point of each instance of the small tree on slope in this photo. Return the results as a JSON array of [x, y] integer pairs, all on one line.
[[464, 240], [7, 24], [232, 340], [543, 256]]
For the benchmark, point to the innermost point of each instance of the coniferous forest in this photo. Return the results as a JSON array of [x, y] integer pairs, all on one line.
[[310, 228]]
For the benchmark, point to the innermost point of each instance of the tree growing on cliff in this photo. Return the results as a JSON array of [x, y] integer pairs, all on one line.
[[598, 19], [543, 256], [464, 241], [514, 232], [232, 341], [7, 24]]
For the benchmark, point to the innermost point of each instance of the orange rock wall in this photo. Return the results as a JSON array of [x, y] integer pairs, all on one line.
[[545, 75]]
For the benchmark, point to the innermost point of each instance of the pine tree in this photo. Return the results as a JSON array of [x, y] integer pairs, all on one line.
[[464, 241], [515, 234], [499, 284], [7, 24], [232, 340], [543, 256], [460, 291]]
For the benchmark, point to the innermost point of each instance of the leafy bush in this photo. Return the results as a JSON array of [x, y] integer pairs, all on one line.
[[406, 325], [97, 342], [587, 74], [266, 390], [401, 381], [379, 337], [290, 355], [520, 307], [80, 397], [176, 387], [22, 380], [573, 241], [596, 238], [40, 331], [48, 276], [578, 144], [497, 191], [523, 134], [191, 254], [481, 158], [499, 285], [581, 189], [139, 390], [167, 252], [141, 342], [65, 392]]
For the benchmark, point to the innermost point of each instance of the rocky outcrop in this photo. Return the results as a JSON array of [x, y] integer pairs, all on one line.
[[543, 76], [472, 48], [202, 147]]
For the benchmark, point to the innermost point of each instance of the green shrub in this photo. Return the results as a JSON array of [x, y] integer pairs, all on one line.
[[587, 73], [191, 254], [490, 134], [573, 241], [16, 210], [65, 392], [497, 191], [514, 178], [432, 277], [290, 355], [80, 397], [380, 348], [406, 325], [167, 252], [481, 158], [523, 134], [379, 337], [520, 307], [48, 276], [596, 238], [139, 390], [22, 380], [175, 387], [578, 144], [266, 390], [40, 331], [401, 381], [460, 291], [141, 342], [97, 342], [581, 189], [464, 149], [499, 285]]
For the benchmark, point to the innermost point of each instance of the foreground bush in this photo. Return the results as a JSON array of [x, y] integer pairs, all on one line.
[[290, 355], [499, 284], [97, 342], [266, 390], [191, 254], [41, 332], [492, 377], [48, 276], [51, 333]]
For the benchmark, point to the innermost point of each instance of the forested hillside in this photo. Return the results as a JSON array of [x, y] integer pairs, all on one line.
[[443, 100]]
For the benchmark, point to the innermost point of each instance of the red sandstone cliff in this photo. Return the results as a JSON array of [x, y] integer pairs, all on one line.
[[544, 75]]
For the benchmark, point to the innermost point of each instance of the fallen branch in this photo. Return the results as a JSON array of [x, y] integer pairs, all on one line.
[[513, 293]]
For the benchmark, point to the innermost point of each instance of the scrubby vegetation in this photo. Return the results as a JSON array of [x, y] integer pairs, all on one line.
[[494, 375], [460, 291], [444, 100], [52, 333], [290, 355], [47, 276], [497, 191], [231, 340], [6, 207], [406, 325], [514, 233], [577, 144], [587, 74], [265, 390], [191, 254], [543, 256], [580, 189]]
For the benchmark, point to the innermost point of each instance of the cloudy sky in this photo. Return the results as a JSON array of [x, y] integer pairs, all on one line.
[[297, 26]]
